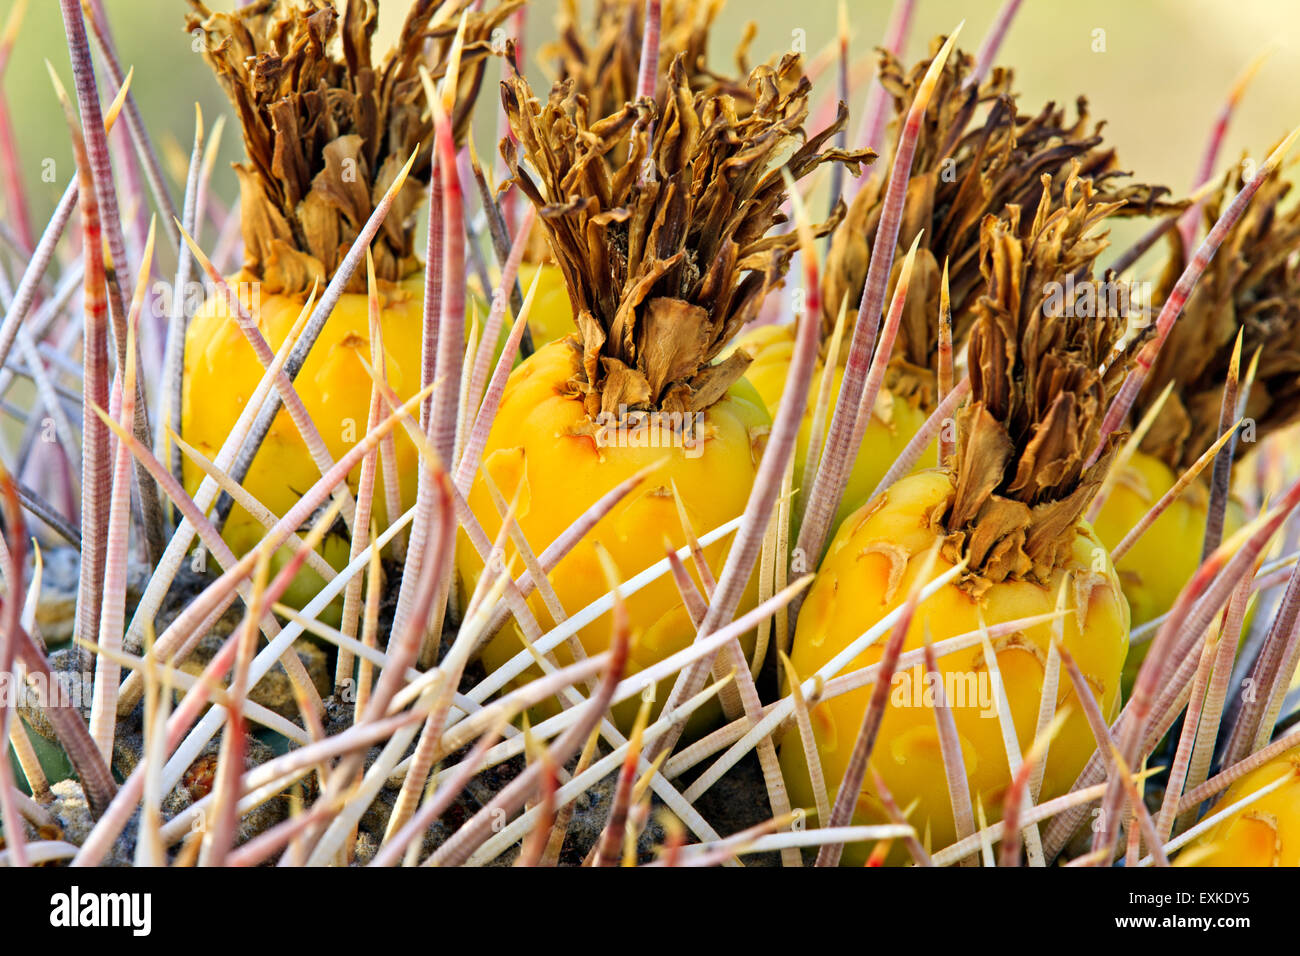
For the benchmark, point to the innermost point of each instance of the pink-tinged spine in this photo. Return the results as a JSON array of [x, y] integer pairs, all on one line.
[[992, 43], [880, 362], [178, 321], [451, 334], [767, 483], [1106, 743], [103, 711], [648, 72], [30, 282], [146, 154], [96, 147], [1187, 223], [430, 348], [476, 440], [365, 485], [842, 137], [1250, 730], [876, 111], [96, 478], [13, 554], [846, 798], [496, 316]]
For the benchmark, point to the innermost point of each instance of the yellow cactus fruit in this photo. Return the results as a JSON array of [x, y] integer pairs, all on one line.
[[308, 186], [662, 271], [893, 422], [538, 456], [872, 563], [1266, 832], [221, 373], [1010, 505]]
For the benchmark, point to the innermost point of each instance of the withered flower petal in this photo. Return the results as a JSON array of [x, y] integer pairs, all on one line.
[[326, 130], [1252, 284], [660, 219], [1039, 391], [965, 169]]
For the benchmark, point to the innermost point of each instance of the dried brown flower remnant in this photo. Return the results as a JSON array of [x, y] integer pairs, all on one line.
[[964, 170], [1252, 284], [666, 253], [326, 129], [602, 55], [1038, 391]]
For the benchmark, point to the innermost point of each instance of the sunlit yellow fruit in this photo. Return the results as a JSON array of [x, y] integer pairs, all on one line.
[[1160, 563], [1264, 833], [222, 372], [534, 457], [867, 572], [550, 318], [893, 422]]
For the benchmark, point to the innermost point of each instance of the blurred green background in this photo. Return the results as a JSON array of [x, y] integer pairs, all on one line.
[[1161, 80]]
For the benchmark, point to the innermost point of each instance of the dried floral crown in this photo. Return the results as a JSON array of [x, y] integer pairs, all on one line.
[[661, 221], [1040, 387], [326, 130], [1251, 285], [962, 172]]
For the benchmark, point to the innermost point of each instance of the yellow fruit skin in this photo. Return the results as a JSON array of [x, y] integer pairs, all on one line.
[[1265, 833], [893, 421], [550, 318], [1155, 570], [531, 453], [852, 592], [222, 372]]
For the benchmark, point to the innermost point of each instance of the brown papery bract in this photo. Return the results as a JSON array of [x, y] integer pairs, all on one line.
[[660, 221], [1038, 391], [1251, 287], [975, 155], [327, 130]]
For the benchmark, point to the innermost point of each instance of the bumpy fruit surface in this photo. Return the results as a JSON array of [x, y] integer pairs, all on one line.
[[893, 421], [222, 372], [871, 565], [535, 457], [1264, 833]]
